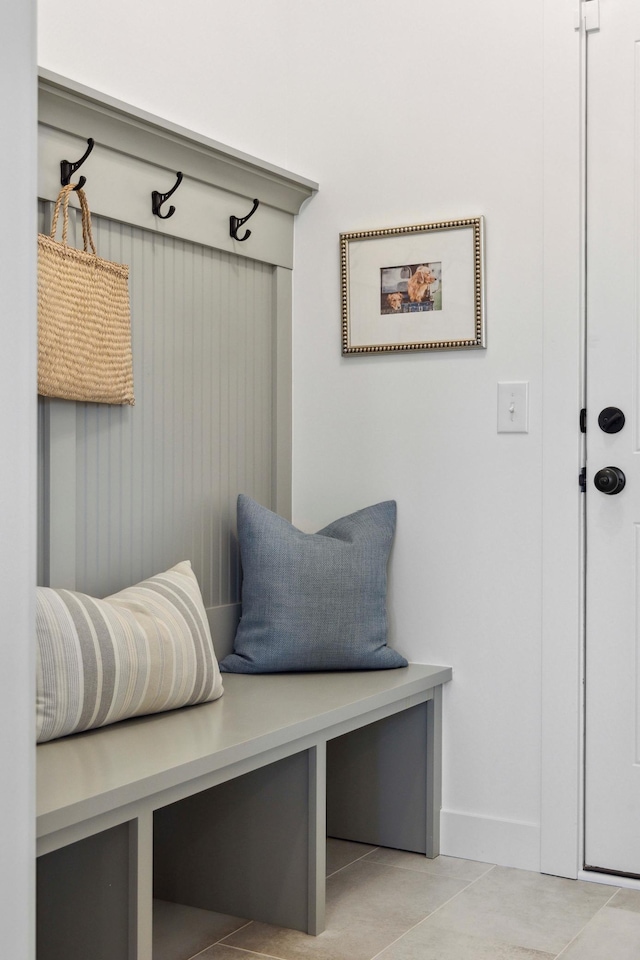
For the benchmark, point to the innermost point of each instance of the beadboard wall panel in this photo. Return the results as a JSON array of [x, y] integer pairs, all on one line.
[[157, 482], [125, 492]]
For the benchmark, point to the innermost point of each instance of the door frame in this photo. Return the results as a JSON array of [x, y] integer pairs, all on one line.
[[564, 377]]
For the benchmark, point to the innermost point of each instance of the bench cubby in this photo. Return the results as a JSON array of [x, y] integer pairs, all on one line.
[[225, 806]]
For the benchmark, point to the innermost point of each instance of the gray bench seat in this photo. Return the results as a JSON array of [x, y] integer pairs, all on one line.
[[226, 805]]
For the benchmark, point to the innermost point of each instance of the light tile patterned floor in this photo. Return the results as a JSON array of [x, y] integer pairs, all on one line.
[[389, 905]]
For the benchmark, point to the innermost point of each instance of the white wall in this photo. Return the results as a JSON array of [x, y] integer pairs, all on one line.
[[220, 67], [17, 479], [425, 112], [408, 113]]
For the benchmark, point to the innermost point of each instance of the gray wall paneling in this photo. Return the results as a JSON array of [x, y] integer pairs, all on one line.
[[126, 492], [282, 408], [56, 468], [157, 482]]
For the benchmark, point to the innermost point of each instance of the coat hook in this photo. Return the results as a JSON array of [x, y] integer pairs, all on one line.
[[157, 199], [68, 169], [235, 222]]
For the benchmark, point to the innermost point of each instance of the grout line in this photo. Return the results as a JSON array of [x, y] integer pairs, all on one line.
[[427, 873], [200, 952], [351, 862], [216, 942], [230, 946], [436, 876], [252, 953], [433, 912], [233, 933], [582, 929], [469, 883]]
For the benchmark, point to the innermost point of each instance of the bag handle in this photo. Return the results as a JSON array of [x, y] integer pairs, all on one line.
[[63, 199]]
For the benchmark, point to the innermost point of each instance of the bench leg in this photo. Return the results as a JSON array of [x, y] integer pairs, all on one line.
[[141, 887], [434, 772], [317, 868], [250, 847]]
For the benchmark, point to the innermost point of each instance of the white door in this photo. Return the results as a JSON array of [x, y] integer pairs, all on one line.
[[612, 734]]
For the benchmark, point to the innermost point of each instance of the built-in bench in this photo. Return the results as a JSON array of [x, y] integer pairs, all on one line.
[[226, 806]]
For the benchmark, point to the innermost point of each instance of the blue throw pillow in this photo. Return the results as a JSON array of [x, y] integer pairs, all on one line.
[[313, 601]]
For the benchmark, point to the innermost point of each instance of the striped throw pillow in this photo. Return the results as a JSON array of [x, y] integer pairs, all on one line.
[[143, 650]]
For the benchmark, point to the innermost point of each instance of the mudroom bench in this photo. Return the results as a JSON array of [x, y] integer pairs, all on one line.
[[226, 805]]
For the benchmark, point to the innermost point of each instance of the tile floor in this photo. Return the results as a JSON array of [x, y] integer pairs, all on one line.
[[400, 906]]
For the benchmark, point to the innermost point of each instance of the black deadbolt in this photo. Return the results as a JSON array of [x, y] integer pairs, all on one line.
[[611, 420], [610, 480]]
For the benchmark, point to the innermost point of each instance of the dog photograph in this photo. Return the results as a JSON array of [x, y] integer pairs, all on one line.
[[410, 288], [419, 287]]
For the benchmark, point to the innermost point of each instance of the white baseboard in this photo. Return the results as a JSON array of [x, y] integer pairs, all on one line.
[[509, 843]]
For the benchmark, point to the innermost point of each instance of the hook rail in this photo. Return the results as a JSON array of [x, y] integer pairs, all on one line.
[[67, 170]]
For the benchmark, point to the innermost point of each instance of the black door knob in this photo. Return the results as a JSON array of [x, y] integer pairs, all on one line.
[[610, 480], [611, 420]]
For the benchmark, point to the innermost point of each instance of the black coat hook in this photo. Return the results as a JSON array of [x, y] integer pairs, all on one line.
[[157, 199], [68, 169], [235, 222]]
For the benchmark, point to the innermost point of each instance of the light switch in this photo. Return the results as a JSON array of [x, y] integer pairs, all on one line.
[[513, 407]]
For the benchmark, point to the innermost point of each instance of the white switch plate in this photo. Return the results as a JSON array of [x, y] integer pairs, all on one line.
[[513, 407]]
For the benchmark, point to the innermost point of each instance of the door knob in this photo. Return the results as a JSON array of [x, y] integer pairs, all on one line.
[[610, 480], [611, 420]]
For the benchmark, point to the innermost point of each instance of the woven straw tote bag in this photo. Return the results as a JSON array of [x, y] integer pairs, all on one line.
[[84, 319]]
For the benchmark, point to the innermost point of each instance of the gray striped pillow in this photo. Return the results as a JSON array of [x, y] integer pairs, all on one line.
[[143, 650]]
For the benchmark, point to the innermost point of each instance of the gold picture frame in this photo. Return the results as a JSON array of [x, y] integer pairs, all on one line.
[[413, 288]]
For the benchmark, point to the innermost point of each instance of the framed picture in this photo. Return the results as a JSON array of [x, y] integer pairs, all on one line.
[[413, 288]]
